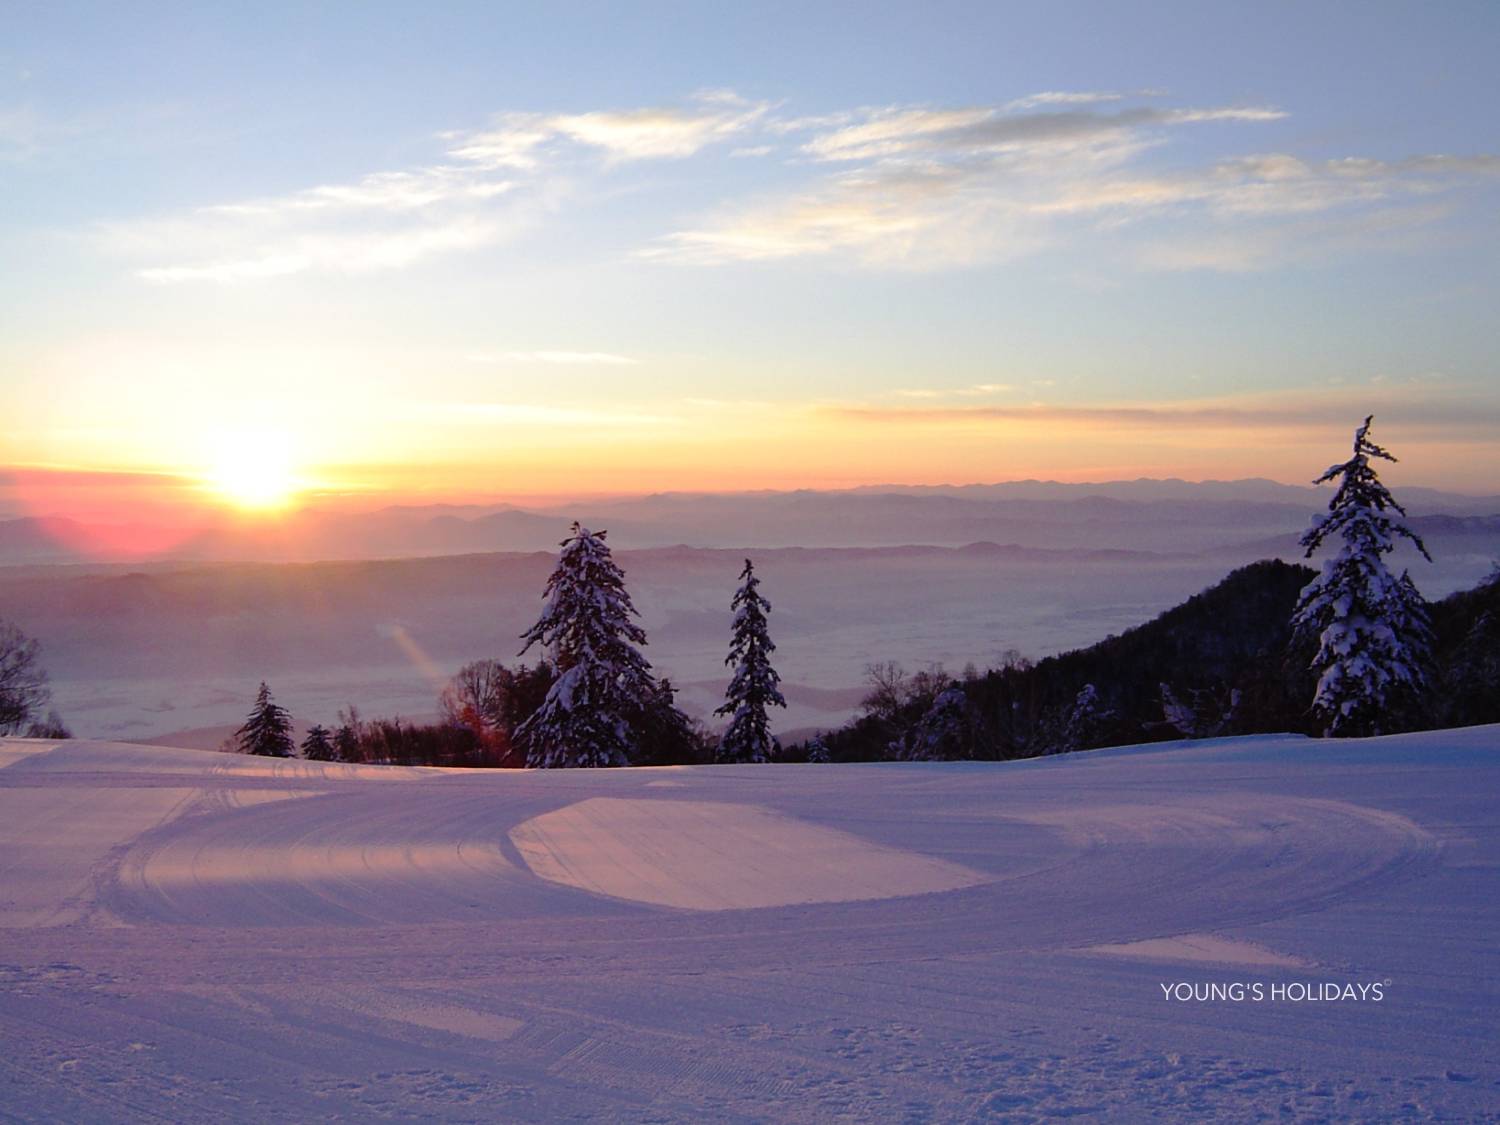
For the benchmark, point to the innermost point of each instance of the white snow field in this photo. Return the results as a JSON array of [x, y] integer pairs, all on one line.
[[192, 937]]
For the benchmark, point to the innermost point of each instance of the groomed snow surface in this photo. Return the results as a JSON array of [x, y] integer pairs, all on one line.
[[190, 937]]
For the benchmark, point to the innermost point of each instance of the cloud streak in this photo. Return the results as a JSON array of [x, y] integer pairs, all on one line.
[[975, 389], [1297, 411], [992, 130], [563, 358], [492, 184], [547, 417], [523, 140], [922, 187], [344, 252], [893, 187]]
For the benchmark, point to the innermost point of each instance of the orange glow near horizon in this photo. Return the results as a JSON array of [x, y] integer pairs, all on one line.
[[265, 473]]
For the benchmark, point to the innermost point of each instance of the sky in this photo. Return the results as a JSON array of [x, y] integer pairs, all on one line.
[[255, 253]]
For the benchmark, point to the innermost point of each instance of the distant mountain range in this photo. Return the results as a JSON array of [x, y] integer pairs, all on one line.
[[1151, 515]]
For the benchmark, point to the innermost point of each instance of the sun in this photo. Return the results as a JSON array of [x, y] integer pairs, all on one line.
[[254, 471]]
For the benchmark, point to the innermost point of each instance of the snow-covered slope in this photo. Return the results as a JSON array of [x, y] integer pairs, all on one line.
[[197, 937]]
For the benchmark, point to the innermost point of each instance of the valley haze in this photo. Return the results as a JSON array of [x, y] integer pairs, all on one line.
[[174, 646]]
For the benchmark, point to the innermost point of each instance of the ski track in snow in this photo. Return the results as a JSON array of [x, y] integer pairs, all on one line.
[[194, 937]]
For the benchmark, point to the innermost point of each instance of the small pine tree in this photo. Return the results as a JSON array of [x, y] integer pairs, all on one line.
[[268, 730], [817, 750], [1372, 630], [603, 680], [318, 746], [755, 684]]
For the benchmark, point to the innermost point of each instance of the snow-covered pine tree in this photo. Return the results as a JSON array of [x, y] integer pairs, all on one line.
[[755, 684], [318, 745], [268, 730], [1087, 722], [943, 733], [603, 680], [1200, 712], [1372, 630]]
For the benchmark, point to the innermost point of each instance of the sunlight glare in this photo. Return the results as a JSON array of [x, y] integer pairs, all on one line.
[[254, 471]]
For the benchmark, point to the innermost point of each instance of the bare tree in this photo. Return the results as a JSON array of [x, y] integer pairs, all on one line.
[[892, 688], [475, 697], [929, 683], [889, 689], [23, 684], [491, 700]]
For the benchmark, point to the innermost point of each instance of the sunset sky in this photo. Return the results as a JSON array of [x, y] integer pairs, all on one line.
[[250, 252]]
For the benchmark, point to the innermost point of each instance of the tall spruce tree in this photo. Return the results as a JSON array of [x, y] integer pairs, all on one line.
[[1371, 629], [592, 715], [268, 730], [755, 685]]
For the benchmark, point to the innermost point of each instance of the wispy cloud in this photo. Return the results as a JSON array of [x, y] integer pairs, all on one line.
[[519, 140], [972, 390], [1414, 406], [914, 187], [383, 221], [1261, 241], [555, 417], [565, 358], [1128, 416], [925, 187], [246, 257], [1277, 184], [1062, 97], [985, 129], [382, 191], [491, 185]]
